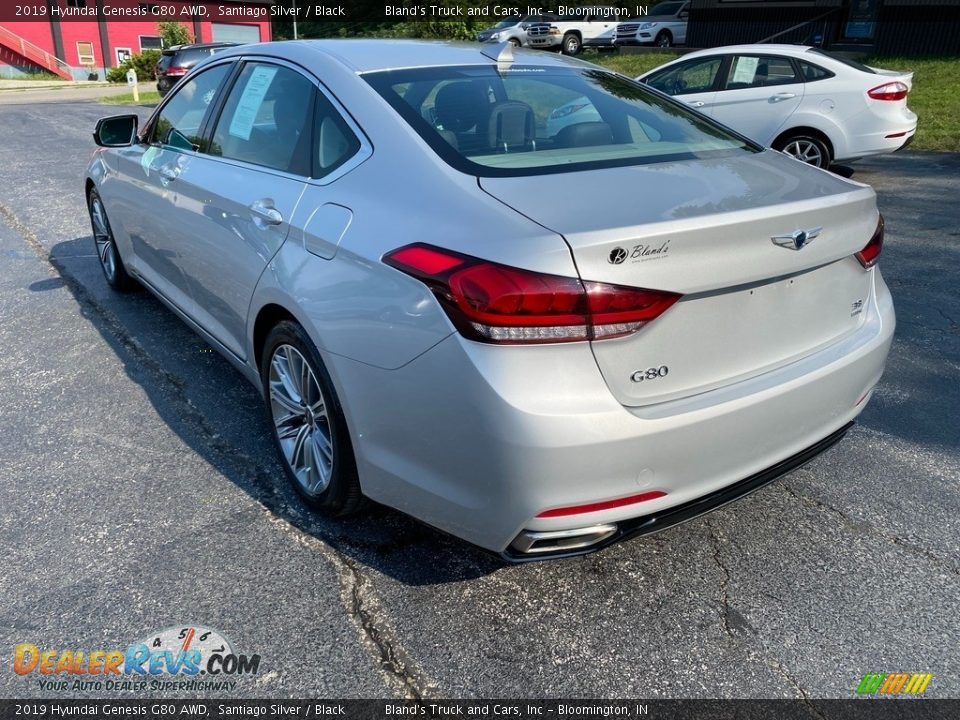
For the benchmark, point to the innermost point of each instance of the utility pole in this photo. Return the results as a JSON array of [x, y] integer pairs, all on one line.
[[294, 19]]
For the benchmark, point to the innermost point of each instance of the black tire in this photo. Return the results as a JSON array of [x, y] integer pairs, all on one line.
[[805, 147], [514, 42], [572, 45], [341, 495], [664, 39], [105, 245]]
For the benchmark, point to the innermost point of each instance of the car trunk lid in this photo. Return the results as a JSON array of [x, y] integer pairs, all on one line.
[[706, 229]]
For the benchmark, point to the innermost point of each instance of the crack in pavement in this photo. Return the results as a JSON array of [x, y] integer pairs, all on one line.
[[724, 578], [953, 323], [358, 600], [872, 529], [727, 611], [794, 683]]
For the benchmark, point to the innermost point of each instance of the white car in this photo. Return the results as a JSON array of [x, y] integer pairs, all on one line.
[[815, 106], [524, 30], [589, 26], [664, 26]]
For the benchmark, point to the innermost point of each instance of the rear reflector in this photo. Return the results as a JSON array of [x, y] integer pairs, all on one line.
[[603, 505], [896, 135], [496, 303], [871, 251], [889, 91]]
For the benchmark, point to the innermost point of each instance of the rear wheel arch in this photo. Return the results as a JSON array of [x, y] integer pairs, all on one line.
[[268, 317], [805, 130]]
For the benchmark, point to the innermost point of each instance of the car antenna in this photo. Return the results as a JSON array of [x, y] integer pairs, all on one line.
[[501, 52]]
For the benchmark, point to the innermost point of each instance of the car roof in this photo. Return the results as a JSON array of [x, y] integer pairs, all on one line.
[[763, 48], [372, 54]]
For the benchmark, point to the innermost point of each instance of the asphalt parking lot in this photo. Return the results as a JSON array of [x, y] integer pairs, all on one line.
[[140, 491]]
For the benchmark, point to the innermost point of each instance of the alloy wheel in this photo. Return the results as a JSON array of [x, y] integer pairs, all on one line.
[[805, 150], [103, 237], [300, 419]]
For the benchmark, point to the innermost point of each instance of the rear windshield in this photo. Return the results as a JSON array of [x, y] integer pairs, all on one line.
[[528, 120], [191, 56], [846, 61]]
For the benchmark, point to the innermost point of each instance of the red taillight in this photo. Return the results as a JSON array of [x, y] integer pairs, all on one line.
[[889, 91], [495, 303], [602, 505], [871, 251], [176, 71]]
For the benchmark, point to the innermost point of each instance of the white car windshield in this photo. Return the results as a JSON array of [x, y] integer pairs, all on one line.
[[531, 120]]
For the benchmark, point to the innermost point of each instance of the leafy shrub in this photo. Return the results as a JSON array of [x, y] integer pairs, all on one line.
[[173, 33], [144, 63]]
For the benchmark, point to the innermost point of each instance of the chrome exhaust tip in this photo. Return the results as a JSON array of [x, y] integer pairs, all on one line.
[[530, 542]]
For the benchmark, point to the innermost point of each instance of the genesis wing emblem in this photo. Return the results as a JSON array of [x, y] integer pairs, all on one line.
[[797, 239]]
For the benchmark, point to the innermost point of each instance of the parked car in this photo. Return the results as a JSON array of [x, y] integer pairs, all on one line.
[[514, 30], [815, 106], [590, 26], [665, 26], [177, 60], [456, 315]]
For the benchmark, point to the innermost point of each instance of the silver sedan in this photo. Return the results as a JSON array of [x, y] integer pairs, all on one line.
[[540, 337]]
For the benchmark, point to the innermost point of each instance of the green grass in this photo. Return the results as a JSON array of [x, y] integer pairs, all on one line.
[[630, 64], [146, 98], [37, 77], [935, 96]]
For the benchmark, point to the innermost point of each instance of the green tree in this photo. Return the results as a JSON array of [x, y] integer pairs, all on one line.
[[174, 33]]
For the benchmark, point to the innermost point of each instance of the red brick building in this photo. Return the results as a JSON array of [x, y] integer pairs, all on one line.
[[72, 38]]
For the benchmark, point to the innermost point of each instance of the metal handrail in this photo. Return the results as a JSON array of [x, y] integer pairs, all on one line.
[[829, 12], [33, 53]]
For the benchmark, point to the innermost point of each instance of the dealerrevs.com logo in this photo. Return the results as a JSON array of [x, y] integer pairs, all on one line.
[[191, 658]]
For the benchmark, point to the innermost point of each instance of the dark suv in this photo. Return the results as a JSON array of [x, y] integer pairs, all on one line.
[[176, 61]]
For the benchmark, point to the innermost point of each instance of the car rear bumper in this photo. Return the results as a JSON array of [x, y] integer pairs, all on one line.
[[678, 514], [882, 136], [481, 440]]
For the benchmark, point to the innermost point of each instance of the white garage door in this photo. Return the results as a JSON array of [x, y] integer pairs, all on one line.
[[224, 32]]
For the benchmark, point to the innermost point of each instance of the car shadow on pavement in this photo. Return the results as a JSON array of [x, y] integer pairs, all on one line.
[[220, 417]]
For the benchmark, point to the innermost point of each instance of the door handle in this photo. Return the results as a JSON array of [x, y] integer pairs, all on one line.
[[169, 173], [783, 96], [696, 103], [264, 211]]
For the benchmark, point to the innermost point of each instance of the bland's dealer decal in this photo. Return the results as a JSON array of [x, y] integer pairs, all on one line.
[[638, 253], [193, 658]]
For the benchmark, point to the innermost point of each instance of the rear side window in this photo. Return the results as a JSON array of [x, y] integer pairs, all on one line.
[[841, 59], [749, 71], [179, 122], [334, 141], [690, 77], [267, 119], [813, 72]]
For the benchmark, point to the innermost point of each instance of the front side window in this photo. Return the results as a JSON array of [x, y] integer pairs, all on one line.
[[267, 119], [180, 120], [748, 71], [536, 120], [694, 76]]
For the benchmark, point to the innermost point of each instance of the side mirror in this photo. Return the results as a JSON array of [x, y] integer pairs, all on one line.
[[116, 131]]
